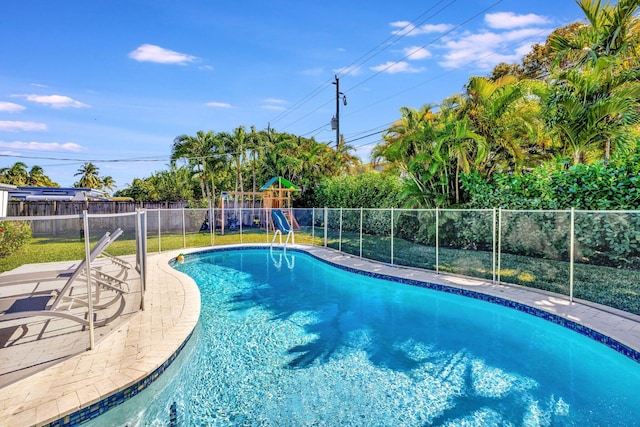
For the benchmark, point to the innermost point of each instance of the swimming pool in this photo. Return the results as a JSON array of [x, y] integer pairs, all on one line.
[[285, 339]]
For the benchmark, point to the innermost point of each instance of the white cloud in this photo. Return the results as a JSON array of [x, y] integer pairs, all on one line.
[[206, 68], [486, 49], [273, 107], [153, 53], [508, 20], [312, 72], [56, 101], [275, 101], [274, 104], [10, 107], [407, 28], [218, 104], [42, 146], [18, 126], [354, 71], [391, 67], [416, 53]]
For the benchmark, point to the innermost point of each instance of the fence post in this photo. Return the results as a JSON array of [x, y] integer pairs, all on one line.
[[571, 252], [340, 233], [240, 220], [141, 252], [326, 218], [184, 232], [499, 241], [87, 257], [212, 222], [313, 225], [493, 243], [361, 231], [437, 241], [391, 235], [159, 234]]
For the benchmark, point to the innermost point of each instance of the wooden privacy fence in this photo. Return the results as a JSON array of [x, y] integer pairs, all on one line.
[[57, 207], [73, 227]]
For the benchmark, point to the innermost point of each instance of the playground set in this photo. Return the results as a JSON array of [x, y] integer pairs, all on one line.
[[253, 209]]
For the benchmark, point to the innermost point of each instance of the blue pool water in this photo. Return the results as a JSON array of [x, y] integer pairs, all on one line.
[[287, 340]]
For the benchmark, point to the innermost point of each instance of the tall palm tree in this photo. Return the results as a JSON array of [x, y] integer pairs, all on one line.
[[199, 151], [108, 183], [236, 145], [89, 178]]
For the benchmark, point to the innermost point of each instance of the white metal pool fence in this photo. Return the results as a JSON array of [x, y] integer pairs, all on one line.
[[590, 255], [73, 237]]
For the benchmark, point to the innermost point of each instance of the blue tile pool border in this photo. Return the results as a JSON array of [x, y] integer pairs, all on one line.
[[551, 317], [92, 411]]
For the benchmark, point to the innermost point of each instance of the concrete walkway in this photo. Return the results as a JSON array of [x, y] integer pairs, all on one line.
[[138, 347], [124, 357]]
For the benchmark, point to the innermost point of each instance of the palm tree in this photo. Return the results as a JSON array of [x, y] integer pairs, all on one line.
[[401, 140], [496, 110], [37, 177], [346, 160], [15, 175], [464, 147], [199, 151], [108, 183], [612, 30], [236, 145], [89, 178], [593, 109]]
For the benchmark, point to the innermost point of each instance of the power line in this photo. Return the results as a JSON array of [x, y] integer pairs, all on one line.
[[399, 34], [131, 160], [428, 44], [403, 33]]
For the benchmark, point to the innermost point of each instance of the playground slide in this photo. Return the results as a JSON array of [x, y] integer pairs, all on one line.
[[281, 221]]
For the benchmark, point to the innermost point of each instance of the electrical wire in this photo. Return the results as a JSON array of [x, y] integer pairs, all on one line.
[[399, 34]]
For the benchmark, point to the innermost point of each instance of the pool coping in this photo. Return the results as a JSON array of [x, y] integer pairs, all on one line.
[[123, 363], [133, 356]]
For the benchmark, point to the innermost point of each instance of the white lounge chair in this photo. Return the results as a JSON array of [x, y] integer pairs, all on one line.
[[59, 303]]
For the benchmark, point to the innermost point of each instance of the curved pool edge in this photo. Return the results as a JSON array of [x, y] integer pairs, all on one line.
[[614, 328], [160, 332], [121, 365]]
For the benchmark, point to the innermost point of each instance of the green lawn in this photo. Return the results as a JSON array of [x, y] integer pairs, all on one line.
[[619, 288]]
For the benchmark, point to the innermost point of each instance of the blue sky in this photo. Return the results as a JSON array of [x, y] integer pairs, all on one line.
[[118, 80]]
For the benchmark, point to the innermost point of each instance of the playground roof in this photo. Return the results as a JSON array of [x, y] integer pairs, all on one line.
[[280, 180]]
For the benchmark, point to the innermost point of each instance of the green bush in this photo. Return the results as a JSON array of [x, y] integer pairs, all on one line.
[[369, 190], [13, 235]]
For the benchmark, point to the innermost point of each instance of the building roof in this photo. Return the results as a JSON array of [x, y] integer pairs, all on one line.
[[55, 193]]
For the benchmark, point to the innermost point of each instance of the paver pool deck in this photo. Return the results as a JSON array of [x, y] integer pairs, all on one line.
[[172, 307]]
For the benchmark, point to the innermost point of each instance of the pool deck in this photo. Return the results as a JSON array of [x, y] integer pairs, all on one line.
[[149, 338]]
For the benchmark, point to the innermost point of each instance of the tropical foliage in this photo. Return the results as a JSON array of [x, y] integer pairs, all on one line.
[[574, 101], [558, 129], [210, 162], [89, 178], [18, 175]]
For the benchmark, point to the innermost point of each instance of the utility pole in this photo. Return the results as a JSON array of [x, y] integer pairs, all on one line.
[[335, 123]]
